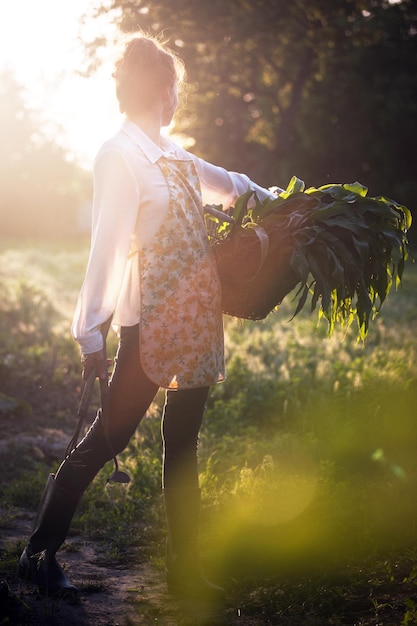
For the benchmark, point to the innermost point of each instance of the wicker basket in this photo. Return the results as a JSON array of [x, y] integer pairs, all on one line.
[[255, 271]]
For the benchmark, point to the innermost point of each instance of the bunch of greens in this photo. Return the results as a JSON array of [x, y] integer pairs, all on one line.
[[344, 249]]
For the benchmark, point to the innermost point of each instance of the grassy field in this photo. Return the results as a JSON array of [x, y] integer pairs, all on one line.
[[307, 454]]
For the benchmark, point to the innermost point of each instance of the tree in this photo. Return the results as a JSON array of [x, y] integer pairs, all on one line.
[[278, 88], [247, 63], [40, 190], [366, 129]]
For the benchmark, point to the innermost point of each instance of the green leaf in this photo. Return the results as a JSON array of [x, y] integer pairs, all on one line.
[[362, 248], [301, 301], [262, 209], [299, 263], [400, 267], [296, 185], [357, 188], [240, 210]]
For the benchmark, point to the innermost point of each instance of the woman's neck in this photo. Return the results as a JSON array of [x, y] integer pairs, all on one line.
[[150, 124]]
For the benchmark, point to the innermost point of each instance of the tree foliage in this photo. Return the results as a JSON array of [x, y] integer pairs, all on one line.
[[324, 89], [40, 190]]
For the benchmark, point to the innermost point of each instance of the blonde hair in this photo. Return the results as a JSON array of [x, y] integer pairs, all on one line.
[[144, 72]]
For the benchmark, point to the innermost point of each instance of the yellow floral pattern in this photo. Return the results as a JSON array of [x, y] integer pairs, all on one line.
[[181, 324]]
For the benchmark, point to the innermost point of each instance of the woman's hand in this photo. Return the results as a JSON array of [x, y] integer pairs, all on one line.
[[95, 362]]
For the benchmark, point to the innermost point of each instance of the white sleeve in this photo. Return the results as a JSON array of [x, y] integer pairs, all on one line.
[[115, 207], [219, 186]]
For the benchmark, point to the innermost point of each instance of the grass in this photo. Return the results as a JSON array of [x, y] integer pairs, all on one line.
[[307, 453]]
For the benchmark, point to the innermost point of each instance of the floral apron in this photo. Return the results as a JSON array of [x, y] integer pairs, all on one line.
[[181, 324]]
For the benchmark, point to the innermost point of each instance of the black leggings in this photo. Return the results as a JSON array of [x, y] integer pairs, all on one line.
[[130, 395]]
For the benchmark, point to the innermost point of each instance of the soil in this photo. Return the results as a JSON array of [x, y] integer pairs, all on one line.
[[111, 593]]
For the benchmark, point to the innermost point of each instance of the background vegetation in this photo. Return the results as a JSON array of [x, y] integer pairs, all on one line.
[[307, 454], [308, 464]]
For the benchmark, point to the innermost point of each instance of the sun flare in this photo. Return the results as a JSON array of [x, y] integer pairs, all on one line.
[[45, 55]]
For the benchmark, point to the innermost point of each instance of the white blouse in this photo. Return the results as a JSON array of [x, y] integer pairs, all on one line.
[[130, 203]]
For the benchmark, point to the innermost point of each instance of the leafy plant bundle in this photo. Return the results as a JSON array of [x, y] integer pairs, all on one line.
[[343, 249]]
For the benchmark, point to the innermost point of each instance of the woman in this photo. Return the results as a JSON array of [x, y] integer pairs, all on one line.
[[150, 267]]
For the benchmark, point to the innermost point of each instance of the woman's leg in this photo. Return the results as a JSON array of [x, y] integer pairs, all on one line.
[[181, 423], [182, 419], [130, 395]]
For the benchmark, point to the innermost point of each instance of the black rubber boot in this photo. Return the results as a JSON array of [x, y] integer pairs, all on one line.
[[37, 563], [184, 577], [57, 507]]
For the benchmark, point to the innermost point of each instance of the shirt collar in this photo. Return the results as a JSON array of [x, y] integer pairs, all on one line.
[[153, 152]]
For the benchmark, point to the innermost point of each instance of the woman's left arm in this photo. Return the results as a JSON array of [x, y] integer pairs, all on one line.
[[219, 186]]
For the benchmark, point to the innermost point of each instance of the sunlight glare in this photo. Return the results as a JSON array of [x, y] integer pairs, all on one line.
[[38, 44]]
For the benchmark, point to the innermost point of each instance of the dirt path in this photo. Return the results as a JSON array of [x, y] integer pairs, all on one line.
[[110, 594]]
